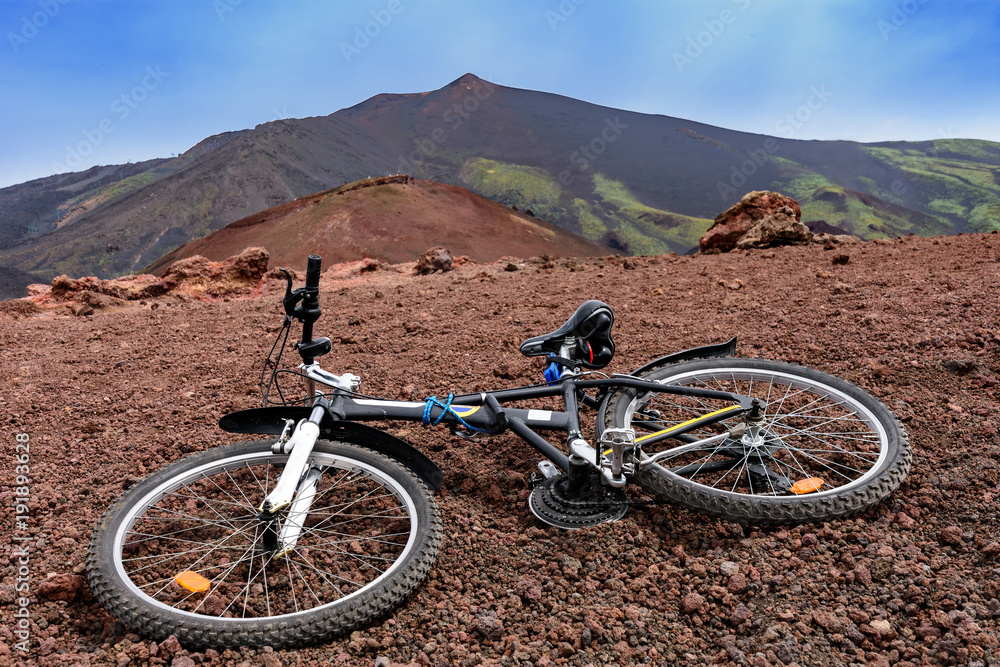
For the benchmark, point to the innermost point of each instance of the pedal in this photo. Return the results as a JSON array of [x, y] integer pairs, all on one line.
[[548, 469], [475, 436], [615, 441]]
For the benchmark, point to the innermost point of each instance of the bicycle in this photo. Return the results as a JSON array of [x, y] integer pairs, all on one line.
[[333, 523]]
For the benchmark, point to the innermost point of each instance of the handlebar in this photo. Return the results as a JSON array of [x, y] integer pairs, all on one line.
[[312, 272], [302, 304]]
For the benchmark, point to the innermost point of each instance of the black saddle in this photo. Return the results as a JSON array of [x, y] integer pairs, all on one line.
[[590, 325]]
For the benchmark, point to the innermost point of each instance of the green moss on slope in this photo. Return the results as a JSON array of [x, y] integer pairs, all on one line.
[[513, 185], [647, 230]]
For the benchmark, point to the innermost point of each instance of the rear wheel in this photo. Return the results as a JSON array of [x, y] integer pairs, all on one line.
[[826, 448], [185, 552]]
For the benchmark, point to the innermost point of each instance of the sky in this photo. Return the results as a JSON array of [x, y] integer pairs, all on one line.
[[85, 82]]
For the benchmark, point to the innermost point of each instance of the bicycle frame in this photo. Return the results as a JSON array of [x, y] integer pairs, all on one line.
[[340, 409]]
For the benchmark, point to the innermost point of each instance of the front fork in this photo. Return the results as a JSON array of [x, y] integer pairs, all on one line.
[[296, 486]]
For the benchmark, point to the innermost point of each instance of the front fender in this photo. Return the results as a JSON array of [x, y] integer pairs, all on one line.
[[271, 421], [726, 349]]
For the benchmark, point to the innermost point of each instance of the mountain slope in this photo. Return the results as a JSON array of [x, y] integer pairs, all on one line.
[[391, 219], [636, 182]]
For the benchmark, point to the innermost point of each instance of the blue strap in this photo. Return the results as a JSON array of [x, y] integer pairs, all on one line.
[[446, 408]]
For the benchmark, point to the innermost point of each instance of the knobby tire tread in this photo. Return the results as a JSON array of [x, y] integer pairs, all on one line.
[[313, 626], [779, 510]]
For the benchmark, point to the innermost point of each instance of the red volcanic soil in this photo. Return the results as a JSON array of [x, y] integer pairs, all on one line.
[[391, 219], [108, 399]]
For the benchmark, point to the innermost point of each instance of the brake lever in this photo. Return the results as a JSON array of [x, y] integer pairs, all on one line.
[[292, 298]]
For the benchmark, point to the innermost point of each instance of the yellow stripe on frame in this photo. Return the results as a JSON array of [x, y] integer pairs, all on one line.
[[689, 422]]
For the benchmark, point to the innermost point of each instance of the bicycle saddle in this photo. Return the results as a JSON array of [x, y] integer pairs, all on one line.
[[590, 325]]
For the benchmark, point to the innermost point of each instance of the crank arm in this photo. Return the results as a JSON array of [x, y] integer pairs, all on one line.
[[305, 493], [579, 447]]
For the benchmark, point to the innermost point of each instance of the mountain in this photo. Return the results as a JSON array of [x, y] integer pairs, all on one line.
[[393, 219], [635, 182]]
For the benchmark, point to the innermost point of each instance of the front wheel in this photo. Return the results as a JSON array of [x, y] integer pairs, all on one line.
[[826, 448], [186, 552]]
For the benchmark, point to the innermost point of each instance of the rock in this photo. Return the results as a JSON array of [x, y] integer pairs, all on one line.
[[197, 275], [61, 587], [828, 621], [741, 615], [82, 310], [762, 219], [841, 259], [952, 535], [737, 583], [692, 602], [489, 626], [991, 550], [780, 229], [960, 366], [435, 259], [169, 648]]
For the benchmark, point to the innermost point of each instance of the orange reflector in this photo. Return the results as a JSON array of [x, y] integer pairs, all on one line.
[[807, 485], [193, 581]]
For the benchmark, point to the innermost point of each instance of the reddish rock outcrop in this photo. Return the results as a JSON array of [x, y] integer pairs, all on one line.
[[194, 276], [435, 259], [197, 275], [762, 219]]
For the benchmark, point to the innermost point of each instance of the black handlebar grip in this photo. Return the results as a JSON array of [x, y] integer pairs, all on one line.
[[312, 272]]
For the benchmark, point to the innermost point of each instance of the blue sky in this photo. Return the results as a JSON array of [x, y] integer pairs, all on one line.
[[86, 82]]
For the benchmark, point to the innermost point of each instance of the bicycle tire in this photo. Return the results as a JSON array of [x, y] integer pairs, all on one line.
[[863, 433], [370, 539]]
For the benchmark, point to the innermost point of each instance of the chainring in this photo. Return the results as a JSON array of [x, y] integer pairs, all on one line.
[[551, 503]]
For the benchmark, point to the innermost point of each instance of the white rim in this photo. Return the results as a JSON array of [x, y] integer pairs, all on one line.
[[255, 458], [739, 373]]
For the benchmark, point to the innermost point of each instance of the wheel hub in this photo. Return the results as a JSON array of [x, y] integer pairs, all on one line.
[[550, 501]]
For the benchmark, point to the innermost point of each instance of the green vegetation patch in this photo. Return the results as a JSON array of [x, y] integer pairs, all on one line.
[[591, 226], [647, 230], [798, 181], [513, 185]]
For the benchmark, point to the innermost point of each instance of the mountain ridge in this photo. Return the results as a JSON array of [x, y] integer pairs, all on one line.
[[638, 183]]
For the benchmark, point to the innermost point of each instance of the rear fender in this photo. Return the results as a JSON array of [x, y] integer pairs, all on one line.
[[727, 349], [271, 421]]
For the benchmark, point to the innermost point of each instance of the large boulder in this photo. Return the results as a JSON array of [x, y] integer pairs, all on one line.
[[197, 275], [761, 219], [435, 259]]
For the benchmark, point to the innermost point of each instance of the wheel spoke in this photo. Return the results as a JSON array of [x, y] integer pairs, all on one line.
[[811, 430], [360, 529]]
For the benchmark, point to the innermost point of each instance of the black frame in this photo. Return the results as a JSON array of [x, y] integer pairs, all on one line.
[[342, 406]]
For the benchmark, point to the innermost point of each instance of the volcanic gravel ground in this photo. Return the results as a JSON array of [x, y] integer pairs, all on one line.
[[110, 398]]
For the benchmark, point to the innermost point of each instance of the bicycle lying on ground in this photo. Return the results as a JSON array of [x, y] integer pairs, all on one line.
[[293, 539]]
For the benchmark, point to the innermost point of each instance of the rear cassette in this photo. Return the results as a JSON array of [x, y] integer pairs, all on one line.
[[551, 503]]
